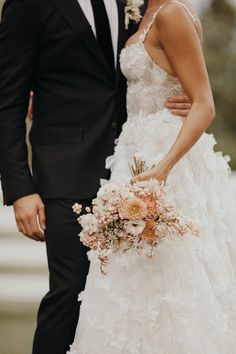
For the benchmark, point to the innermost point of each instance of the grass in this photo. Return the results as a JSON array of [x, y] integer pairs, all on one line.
[[17, 325]]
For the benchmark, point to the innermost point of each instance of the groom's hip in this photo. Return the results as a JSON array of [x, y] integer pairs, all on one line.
[[67, 256], [73, 170]]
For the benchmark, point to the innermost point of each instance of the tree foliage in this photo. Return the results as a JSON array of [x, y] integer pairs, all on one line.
[[219, 24]]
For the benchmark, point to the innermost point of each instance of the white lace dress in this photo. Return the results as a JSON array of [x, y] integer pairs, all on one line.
[[183, 301]]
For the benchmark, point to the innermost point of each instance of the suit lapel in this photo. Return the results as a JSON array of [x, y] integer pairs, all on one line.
[[122, 32], [75, 17]]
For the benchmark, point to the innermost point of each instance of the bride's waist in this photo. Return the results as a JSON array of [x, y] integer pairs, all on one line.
[[160, 115]]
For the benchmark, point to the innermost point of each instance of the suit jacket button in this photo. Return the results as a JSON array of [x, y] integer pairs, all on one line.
[[114, 125]]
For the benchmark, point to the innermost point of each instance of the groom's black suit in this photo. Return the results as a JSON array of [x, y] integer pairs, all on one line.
[[48, 46], [79, 105]]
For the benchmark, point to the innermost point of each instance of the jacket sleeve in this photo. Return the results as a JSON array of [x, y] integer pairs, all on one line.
[[18, 49]]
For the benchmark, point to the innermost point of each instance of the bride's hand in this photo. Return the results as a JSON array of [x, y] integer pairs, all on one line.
[[159, 172]]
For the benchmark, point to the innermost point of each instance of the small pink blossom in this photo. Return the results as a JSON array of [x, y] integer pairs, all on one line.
[[77, 208]]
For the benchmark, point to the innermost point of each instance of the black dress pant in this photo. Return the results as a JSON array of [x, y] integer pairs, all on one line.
[[68, 268]]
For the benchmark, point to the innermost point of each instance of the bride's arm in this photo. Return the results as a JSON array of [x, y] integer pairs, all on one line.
[[179, 39]]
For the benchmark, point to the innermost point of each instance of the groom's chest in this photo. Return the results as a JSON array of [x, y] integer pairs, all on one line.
[[111, 10], [112, 15], [71, 34]]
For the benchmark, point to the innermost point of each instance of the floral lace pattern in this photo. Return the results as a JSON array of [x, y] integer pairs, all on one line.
[[183, 301], [149, 86]]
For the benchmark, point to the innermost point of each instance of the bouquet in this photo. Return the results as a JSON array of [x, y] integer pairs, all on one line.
[[125, 217]]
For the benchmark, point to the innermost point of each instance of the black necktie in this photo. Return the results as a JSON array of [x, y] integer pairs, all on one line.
[[103, 31]]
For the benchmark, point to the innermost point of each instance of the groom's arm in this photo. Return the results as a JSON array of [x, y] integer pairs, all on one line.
[[17, 57], [19, 43]]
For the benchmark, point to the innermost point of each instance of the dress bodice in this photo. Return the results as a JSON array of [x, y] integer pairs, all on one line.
[[149, 86]]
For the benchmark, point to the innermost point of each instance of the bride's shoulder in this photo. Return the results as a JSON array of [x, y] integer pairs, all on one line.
[[177, 17], [177, 12]]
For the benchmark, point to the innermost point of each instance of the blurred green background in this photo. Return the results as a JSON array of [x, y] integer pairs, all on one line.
[[219, 24], [17, 318]]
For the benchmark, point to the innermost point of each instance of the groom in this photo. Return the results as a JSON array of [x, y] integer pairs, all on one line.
[[66, 51]]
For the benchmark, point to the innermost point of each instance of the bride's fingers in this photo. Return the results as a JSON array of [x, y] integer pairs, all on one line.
[[135, 179], [139, 178]]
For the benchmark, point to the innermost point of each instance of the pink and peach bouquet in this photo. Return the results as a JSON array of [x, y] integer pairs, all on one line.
[[129, 217]]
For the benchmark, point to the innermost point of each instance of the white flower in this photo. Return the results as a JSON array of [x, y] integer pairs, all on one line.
[[109, 193], [135, 227], [103, 182], [132, 11], [77, 208], [125, 191], [89, 223]]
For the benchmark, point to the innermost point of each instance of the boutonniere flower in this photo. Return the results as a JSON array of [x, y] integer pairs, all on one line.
[[132, 11]]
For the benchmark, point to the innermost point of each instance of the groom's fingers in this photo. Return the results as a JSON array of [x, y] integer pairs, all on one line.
[[179, 99], [182, 106], [30, 108], [35, 231], [180, 112], [179, 105], [185, 107], [20, 227], [29, 213], [26, 225], [42, 217], [29, 227]]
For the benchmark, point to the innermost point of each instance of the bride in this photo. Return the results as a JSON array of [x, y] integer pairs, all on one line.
[[183, 300]]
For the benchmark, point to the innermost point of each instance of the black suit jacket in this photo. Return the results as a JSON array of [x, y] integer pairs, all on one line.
[[79, 105]]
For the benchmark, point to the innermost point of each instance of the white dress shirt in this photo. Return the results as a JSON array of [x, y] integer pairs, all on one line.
[[112, 12]]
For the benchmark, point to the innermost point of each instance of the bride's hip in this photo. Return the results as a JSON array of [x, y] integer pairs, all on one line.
[[157, 133]]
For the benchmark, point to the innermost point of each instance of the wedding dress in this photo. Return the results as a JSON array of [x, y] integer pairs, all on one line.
[[183, 300]]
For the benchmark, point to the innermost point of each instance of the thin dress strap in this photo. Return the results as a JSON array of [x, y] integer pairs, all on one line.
[[149, 25]]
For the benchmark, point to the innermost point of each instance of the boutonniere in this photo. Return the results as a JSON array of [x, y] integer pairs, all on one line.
[[132, 11]]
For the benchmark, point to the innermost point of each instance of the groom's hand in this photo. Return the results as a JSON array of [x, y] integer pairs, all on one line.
[[30, 217], [179, 105]]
